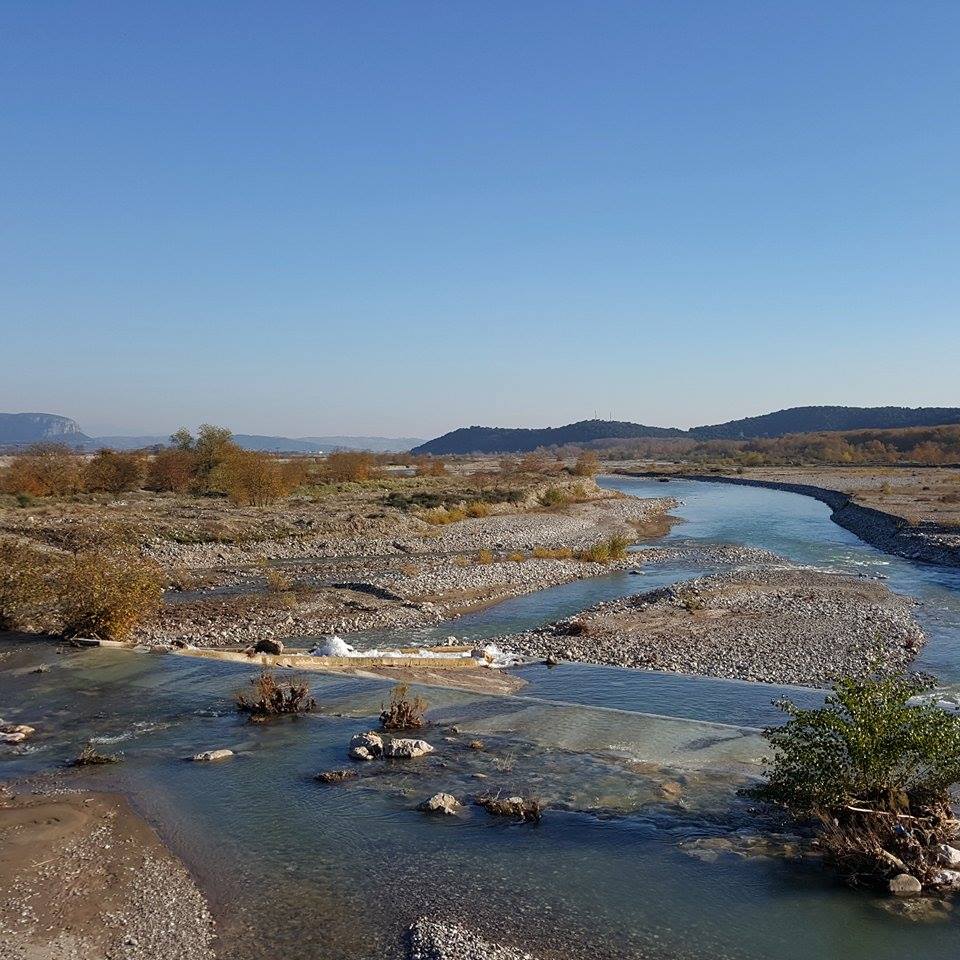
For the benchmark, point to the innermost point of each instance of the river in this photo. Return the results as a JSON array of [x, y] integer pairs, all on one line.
[[613, 870]]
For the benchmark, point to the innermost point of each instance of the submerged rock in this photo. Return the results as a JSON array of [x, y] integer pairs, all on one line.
[[14, 732], [402, 748], [336, 776], [905, 885], [441, 803]]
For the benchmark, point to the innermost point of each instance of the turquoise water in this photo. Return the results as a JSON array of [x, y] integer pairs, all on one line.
[[335, 873]]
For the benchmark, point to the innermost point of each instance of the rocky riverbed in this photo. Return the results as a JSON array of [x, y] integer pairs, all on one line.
[[398, 583], [783, 624]]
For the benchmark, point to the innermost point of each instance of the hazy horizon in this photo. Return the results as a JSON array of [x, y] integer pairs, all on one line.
[[305, 219]]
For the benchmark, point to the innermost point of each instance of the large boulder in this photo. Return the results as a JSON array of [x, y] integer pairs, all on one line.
[[441, 803], [268, 645], [904, 885], [406, 749]]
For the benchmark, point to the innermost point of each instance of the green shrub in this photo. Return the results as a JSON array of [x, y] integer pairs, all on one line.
[[869, 745], [553, 497]]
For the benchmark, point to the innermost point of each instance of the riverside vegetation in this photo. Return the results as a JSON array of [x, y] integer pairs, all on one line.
[[205, 543], [873, 769]]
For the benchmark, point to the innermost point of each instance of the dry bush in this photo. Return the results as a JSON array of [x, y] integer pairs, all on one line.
[[430, 467], [598, 553], [587, 464], [108, 593], [441, 516], [484, 557], [402, 713], [477, 508], [346, 465], [88, 757], [28, 587], [113, 472], [553, 498], [278, 581], [251, 478], [553, 553], [460, 561], [410, 570], [272, 697], [171, 471], [517, 556], [45, 470], [617, 546]]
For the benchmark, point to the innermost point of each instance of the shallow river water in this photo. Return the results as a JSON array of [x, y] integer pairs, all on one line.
[[617, 868]]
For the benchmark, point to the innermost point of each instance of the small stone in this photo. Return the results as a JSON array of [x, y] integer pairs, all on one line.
[[904, 885]]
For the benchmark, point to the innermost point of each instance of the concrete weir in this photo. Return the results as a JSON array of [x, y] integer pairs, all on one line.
[[456, 671]]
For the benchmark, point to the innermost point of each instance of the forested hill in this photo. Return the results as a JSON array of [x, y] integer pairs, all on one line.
[[521, 440], [822, 419], [779, 424]]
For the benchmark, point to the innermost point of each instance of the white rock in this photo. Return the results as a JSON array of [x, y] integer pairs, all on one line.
[[904, 885], [209, 755], [406, 748], [949, 856], [441, 803], [360, 753]]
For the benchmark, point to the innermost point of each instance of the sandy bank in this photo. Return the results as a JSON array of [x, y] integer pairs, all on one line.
[[82, 877]]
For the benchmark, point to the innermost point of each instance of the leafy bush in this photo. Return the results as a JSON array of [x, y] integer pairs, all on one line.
[[171, 471], [272, 697], [344, 466], [251, 478], [106, 594], [402, 713], [45, 470], [113, 472], [868, 745]]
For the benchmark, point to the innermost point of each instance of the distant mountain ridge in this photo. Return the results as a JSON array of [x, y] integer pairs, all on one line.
[[777, 424], [523, 440], [828, 419], [22, 429]]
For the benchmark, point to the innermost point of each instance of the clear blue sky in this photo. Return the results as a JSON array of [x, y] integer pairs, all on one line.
[[398, 218]]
